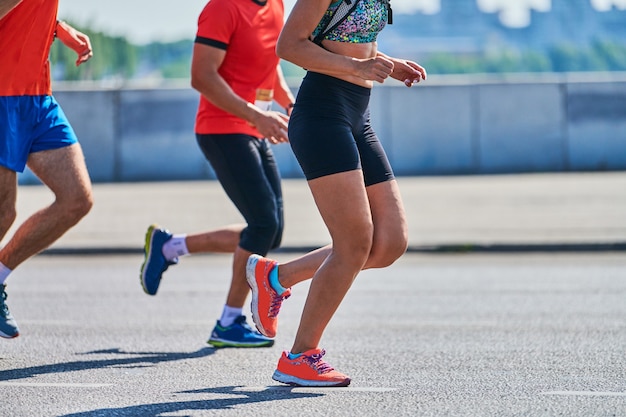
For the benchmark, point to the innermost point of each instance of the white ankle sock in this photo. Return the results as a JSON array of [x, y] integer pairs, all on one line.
[[4, 273], [175, 247], [229, 314]]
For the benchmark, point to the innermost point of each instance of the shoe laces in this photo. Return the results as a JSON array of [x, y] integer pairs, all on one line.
[[316, 362], [242, 321], [277, 302], [4, 309]]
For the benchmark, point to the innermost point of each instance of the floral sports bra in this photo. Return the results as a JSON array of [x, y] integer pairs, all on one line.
[[362, 25]]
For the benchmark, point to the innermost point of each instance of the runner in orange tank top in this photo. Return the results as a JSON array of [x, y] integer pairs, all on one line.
[[235, 69], [35, 132]]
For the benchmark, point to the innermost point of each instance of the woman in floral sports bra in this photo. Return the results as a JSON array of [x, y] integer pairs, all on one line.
[[361, 26], [347, 171]]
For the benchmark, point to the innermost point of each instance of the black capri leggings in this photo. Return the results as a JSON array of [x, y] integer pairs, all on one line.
[[246, 169], [330, 130]]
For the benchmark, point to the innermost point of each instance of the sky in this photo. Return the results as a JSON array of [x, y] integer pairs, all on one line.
[[143, 21]]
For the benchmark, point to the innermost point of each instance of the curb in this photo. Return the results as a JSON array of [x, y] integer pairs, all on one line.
[[433, 249]]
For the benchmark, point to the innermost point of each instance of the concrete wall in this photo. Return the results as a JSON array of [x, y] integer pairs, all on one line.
[[448, 125]]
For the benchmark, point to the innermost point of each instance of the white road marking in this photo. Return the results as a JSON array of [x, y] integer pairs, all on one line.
[[51, 384], [587, 393]]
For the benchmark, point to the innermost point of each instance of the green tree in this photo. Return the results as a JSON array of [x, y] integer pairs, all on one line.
[[613, 55], [113, 57], [171, 59]]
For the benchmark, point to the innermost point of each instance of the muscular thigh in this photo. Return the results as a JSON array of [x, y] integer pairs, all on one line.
[[63, 170], [8, 198], [343, 203], [388, 212], [8, 185]]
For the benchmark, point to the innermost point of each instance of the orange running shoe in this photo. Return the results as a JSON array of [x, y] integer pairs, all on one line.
[[309, 370], [266, 302]]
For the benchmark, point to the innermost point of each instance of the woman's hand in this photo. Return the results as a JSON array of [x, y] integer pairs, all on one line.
[[376, 69], [408, 72], [382, 66]]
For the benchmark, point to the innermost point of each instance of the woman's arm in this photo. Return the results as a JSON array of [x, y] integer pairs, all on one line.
[[6, 6], [294, 46]]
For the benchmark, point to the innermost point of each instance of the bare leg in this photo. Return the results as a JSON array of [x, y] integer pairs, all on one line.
[[390, 237], [64, 172], [223, 240], [8, 199], [302, 268], [226, 240], [344, 206], [390, 225], [239, 290]]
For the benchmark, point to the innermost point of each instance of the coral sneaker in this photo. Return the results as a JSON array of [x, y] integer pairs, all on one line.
[[266, 302], [309, 370]]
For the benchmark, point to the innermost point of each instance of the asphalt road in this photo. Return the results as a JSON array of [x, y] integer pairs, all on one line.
[[433, 335]]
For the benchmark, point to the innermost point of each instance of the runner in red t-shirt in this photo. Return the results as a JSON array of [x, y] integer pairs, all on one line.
[[34, 132], [236, 71]]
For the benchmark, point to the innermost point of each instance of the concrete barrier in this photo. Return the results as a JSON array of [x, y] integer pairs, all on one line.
[[596, 126], [446, 126]]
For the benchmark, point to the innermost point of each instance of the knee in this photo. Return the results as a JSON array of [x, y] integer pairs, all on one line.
[[7, 217], [261, 236], [84, 206], [361, 250], [387, 249], [278, 237], [79, 205], [272, 231], [357, 246]]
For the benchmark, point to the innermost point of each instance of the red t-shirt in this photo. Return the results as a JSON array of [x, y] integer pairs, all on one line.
[[26, 34], [247, 30]]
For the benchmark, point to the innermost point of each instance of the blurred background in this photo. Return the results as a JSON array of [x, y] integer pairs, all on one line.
[[514, 86], [146, 39]]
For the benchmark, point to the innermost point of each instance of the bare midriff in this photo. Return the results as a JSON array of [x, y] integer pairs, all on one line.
[[354, 50]]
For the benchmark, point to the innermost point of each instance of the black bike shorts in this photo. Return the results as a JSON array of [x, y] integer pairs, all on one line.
[[330, 130]]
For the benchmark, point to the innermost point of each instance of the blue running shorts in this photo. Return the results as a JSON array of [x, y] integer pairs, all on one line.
[[31, 124]]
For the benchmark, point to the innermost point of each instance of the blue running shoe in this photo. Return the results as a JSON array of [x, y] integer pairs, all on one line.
[[154, 263], [8, 326], [239, 334]]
